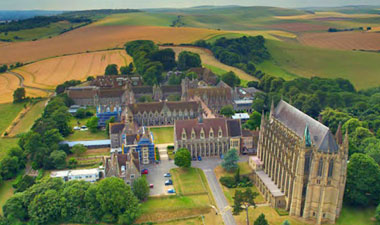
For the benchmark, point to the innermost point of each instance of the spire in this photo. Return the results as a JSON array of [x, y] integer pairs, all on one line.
[[290, 100], [338, 135], [307, 136], [272, 109], [346, 138]]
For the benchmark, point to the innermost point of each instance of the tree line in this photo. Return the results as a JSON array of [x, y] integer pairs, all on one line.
[[151, 62]]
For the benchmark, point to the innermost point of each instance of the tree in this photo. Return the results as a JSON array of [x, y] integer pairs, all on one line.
[[73, 201], [116, 204], [45, 207], [187, 60], [58, 159], [166, 57], [111, 120], [363, 180], [351, 125], [230, 160], [79, 149], [182, 158], [111, 70], [261, 220], [80, 113], [73, 162], [254, 121], [377, 213], [14, 207], [92, 124], [24, 183], [286, 222], [19, 95], [227, 110], [140, 188], [244, 200], [231, 79]]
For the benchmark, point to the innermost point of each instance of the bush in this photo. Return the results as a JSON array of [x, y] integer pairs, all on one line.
[[228, 182]]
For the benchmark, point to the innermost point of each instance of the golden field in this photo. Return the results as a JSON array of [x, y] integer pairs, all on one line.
[[91, 38], [50, 72]]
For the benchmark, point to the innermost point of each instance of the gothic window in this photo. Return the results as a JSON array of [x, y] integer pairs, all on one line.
[[192, 134], [320, 167], [202, 134], [220, 133], [307, 162], [211, 134], [331, 168], [183, 135]]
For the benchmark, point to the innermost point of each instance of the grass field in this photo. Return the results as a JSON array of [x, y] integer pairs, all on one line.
[[357, 216], [84, 135], [188, 181], [137, 19], [162, 135], [6, 191], [27, 121], [51, 30], [6, 144], [9, 112], [291, 60], [51, 72]]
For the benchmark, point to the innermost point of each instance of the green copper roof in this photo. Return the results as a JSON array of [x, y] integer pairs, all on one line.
[[307, 136]]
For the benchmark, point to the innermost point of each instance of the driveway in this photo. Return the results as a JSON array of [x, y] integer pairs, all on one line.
[[157, 171]]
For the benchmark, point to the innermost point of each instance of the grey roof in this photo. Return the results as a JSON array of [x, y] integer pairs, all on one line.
[[296, 121], [272, 187], [234, 128]]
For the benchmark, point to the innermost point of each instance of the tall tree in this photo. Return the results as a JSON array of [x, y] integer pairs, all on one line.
[[227, 111], [230, 160], [92, 124], [111, 70], [19, 95], [140, 188], [231, 79], [45, 207], [182, 158], [254, 121], [261, 220], [187, 60], [244, 200], [79, 149]]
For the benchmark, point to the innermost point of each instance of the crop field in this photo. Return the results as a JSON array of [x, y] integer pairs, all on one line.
[[91, 38], [361, 68], [208, 58], [51, 72], [343, 40], [137, 19], [299, 27]]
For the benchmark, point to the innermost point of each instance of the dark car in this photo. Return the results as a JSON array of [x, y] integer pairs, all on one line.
[[168, 182], [144, 171], [194, 158]]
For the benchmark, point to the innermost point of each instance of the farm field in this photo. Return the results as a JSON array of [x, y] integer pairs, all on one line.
[[51, 72], [137, 19], [361, 68], [342, 40], [91, 38], [162, 135], [208, 58], [6, 144], [6, 192], [9, 111]]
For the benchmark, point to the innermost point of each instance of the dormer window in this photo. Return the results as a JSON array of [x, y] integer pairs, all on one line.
[[220, 133], [211, 134], [183, 134], [202, 134], [192, 134]]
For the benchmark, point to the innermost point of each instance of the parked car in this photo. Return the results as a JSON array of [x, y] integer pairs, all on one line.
[[76, 128], [83, 127], [144, 171], [167, 175], [221, 156], [199, 158], [171, 191], [168, 182], [194, 158], [151, 185]]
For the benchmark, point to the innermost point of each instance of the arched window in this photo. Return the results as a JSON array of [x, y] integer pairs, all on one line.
[[331, 168], [320, 167]]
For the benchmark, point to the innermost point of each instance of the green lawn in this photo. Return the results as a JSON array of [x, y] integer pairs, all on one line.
[[86, 135], [6, 144], [162, 135], [290, 60], [6, 191], [28, 120], [51, 30], [8, 113], [357, 216], [216, 70], [188, 181], [138, 19]]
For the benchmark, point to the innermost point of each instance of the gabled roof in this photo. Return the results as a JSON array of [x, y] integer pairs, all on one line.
[[234, 128], [188, 125], [158, 106], [297, 121], [111, 92], [171, 88], [116, 128], [142, 90]]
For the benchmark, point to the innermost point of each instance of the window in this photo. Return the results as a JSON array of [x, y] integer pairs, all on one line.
[[193, 135], [331, 168], [132, 176], [320, 167], [220, 133], [202, 134], [211, 134]]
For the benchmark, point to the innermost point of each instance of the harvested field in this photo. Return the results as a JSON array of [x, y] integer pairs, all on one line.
[[51, 72], [8, 83], [342, 40], [92, 38], [209, 59], [298, 27]]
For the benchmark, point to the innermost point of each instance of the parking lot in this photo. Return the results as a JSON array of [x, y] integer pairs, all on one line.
[[157, 171]]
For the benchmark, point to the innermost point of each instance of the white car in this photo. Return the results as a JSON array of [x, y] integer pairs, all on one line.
[[76, 128]]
